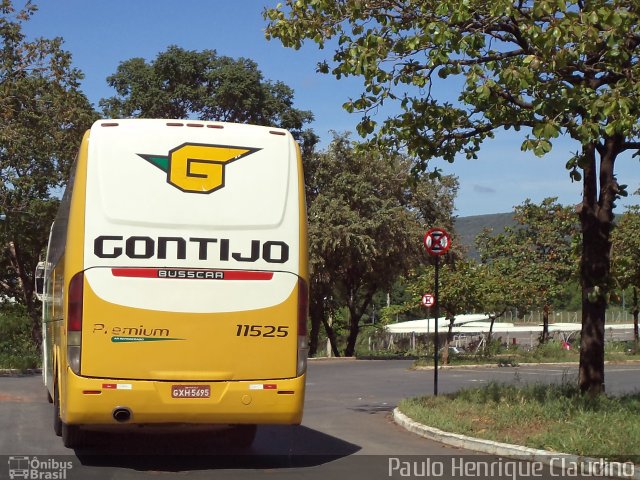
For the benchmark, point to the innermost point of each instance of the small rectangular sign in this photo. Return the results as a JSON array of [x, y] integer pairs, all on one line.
[[190, 391], [117, 386], [263, 386]]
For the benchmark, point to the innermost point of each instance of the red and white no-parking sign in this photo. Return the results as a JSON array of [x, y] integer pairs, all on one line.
[[428, 300], [437, 241]]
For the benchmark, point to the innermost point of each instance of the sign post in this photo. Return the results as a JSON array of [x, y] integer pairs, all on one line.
[[437, 242]]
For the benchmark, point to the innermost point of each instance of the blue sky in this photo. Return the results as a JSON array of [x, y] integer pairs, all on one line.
[[100, 35]]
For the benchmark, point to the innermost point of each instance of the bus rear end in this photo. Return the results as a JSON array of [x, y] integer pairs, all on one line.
[[190, 306]]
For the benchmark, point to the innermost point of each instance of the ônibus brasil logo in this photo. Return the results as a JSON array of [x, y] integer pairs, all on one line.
[[197, 168]]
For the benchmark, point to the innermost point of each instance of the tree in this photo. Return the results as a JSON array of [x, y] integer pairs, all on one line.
[[186, 83], [537, 254], [626, 258], [44, 115], [459, 292], [503, 289], [553, 67], [363, 230]]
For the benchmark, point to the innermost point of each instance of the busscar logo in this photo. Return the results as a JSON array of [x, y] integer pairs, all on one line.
[[196, 167]]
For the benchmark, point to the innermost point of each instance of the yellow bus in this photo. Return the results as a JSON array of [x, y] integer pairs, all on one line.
[[176, 280]]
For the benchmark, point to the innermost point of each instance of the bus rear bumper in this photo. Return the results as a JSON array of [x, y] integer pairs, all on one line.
[[91, 401]]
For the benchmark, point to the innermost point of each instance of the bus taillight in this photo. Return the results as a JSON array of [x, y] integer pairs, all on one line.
[[74, 321]]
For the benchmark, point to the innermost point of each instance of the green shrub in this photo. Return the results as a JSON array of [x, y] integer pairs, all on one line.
[[507, 362], [552, 351], [17, 349], [493, 347]]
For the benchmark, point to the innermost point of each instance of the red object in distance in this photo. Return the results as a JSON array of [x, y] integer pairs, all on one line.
[[437, 241]]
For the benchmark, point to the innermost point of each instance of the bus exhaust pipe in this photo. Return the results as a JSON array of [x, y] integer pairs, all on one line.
[[121, 414]]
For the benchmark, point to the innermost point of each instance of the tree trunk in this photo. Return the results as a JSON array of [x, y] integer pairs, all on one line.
[[493, 319], [591, 375], [331, 335], [596, 218], [355, 314], [545, 324], [447, 342], [636, 310], [354, 330], [316, 314]]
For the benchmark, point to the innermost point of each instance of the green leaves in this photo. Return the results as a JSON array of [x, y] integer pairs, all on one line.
[[183, 83], [366, 219], [357, 218], [462, 288], [625, 253], [561, 67], [366, 126], [44, 116], [546, 130], [532, 261], [538, 146]]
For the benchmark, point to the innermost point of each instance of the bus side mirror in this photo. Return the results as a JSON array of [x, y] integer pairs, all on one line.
[[39, 281]]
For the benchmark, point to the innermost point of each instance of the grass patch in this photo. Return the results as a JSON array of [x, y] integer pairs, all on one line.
[[550, 417]]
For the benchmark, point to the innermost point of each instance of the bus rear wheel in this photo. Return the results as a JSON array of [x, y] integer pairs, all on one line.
[[57, 421], [72, 436]]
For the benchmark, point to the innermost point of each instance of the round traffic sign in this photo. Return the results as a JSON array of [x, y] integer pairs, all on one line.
[[437, 241], [428, 300]]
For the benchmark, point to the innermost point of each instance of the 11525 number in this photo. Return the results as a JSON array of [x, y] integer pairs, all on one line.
[[268, 331]]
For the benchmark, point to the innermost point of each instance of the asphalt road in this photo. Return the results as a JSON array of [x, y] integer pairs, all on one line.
[[346, 432]]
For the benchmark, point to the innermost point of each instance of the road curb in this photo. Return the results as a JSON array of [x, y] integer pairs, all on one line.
[[504, 449], [331, 359], [495, 365], [12, 372]]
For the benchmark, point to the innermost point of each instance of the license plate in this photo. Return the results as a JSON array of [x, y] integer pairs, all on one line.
[[190, 391]]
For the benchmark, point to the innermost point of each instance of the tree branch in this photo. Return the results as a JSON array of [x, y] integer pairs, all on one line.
[[631, 146], [488, 58]]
